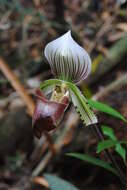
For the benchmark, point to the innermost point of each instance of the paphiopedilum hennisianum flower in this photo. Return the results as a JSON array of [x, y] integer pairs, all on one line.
[[70, 64]]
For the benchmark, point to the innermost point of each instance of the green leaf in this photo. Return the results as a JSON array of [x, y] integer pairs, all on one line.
[[108, 131], [112, 142], [56, 183], [106, 109], [121, 151], [94, 161], [105, 145]]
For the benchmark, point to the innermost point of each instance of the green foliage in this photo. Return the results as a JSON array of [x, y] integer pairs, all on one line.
[[88, 117], [105, 145], [121, 151], [56, 183], [108, 131], [94, 161], [111, 142], [106, 109]]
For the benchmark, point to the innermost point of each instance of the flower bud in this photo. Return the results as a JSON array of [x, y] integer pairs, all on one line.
[[68, 60]]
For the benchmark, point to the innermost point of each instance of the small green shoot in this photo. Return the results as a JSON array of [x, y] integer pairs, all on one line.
[[111, 142]]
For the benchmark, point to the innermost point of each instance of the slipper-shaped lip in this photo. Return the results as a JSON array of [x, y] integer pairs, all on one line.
[[47, 114]]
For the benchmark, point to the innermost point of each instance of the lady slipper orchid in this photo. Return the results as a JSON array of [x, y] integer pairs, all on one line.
[[70, 64]]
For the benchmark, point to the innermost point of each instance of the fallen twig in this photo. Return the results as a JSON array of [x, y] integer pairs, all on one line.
[[121, 81], [17, 86]]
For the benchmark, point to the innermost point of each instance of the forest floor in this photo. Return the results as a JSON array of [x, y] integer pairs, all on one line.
[[25, 28]]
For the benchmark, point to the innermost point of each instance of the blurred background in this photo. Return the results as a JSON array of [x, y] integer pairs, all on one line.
[[25, 28]]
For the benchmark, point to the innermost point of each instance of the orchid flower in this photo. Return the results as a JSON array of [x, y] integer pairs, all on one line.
[[70, 64]]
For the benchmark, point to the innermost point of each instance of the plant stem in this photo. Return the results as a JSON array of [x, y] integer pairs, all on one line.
[[97, 132]]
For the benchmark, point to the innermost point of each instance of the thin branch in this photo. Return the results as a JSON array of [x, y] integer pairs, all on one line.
[[121, 81], [41, 180], [17, 86]]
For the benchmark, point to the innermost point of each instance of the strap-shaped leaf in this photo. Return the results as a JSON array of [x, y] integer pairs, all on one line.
[[111, 143], [94, 161], [121, 151], [108, 131], [81, 104], [106, 109], [105, 144]]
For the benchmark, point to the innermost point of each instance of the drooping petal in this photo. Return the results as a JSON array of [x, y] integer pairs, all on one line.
[[81, 104], [67, 59]]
